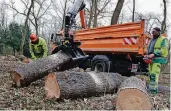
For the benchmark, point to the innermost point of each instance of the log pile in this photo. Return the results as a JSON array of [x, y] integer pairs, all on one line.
[[132, 93], [81, 84]]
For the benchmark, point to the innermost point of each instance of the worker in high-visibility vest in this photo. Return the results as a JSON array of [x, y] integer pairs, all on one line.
[[158, 49], [38, 47]]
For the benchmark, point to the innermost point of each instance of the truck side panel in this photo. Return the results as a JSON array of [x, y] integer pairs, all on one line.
[[122, 38]]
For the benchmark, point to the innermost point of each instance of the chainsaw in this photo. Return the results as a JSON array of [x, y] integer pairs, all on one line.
[[147, 60]]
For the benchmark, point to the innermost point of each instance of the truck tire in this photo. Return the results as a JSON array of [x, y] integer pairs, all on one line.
[[101, 63]]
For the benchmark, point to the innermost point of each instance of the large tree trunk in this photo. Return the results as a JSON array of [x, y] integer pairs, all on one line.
[[25, 28], [91, 13], [132, 95], [64, 14], [38, 69], [163, 26], [117, 11], [133, 11], [95, 14], [80, 84]]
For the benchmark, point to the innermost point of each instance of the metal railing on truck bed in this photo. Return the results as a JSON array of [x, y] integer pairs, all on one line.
[[120, 38]]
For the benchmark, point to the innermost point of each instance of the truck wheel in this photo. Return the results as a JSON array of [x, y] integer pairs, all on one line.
[[101, 63], [100, 67]]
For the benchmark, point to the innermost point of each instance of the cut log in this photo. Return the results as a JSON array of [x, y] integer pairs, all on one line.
[[132, 95], [38, 69], [80, 84]]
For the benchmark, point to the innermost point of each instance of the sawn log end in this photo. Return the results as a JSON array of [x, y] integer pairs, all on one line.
[[51, 86]]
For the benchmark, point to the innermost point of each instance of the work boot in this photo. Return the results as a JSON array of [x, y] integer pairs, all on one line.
[[152, 88], [153, 85]]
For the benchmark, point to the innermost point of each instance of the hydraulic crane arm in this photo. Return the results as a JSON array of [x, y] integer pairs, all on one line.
[[77, 7], [73, 10], [69, 46], [83, 22]]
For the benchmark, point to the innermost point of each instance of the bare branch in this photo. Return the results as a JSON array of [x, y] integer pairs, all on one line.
[[104, 6], [16, 10], [45, 10]]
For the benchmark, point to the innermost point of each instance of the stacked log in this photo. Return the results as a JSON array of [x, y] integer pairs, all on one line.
[[81, 84]]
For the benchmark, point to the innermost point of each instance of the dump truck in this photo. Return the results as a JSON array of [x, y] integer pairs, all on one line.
[[115, 48]]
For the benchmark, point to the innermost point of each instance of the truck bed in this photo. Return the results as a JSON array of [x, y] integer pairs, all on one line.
[[120, 38]]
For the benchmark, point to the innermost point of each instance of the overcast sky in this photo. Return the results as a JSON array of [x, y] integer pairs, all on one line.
[[143, 6]]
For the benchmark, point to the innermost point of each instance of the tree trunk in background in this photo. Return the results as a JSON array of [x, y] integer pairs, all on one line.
[[117, 11], [80, 84], [63, 21], [132, 95], [13, 51], [25, 28], [95, 14], [35, 20], [163, 27], [91, 13], [133, 11], [36, 27], [38, 69]]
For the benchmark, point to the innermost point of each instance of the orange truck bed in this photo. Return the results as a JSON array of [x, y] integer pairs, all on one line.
[[120, 38]]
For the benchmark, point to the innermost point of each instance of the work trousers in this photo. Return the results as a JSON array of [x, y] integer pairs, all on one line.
[[154, 71]]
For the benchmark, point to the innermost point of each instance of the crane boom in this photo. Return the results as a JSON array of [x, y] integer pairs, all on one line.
[[69, 46], [77, 7]]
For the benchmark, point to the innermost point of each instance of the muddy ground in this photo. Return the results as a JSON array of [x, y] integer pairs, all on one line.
[[33, 96]]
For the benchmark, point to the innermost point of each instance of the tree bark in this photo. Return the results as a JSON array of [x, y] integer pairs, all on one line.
[[38, 69], [25, 28], [95, 14], [163, 27], [80, 84], [132, 95], [64, 14], [91, 13], [133, 12], [117, 11]]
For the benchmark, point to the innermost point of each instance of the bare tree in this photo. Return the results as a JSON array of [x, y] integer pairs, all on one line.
[[3, 13], [60, 12], [40, 8], [3, 25], [26, 13], [163, 26], [64, 13], [117, 11], [96, 10], [25, 27], [133, 12], [90, 12], [151, 19], [95, 13]]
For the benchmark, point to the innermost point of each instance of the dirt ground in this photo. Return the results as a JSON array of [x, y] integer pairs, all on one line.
[[33, 96]]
